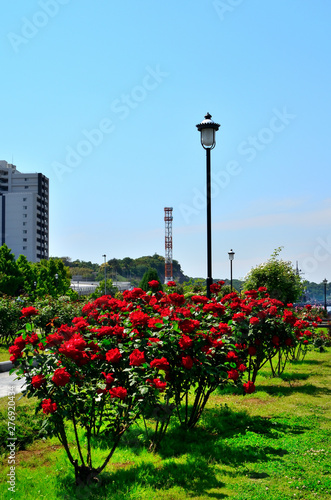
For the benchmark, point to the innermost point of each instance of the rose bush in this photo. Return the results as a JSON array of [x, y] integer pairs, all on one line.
[[148, 354]]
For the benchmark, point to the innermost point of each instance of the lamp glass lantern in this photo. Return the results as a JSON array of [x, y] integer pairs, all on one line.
[[231, 254], [208, 129]]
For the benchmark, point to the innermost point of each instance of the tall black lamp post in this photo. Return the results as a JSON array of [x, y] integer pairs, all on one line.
[[231, 257], [104, 255], [325, 283], [208, 129]]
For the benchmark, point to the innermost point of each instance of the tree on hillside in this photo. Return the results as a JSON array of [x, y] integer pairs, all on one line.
[[150, 275], [11, 279], [100, 290], [279, 276]]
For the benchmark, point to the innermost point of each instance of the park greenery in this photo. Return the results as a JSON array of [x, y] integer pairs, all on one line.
[[274, 443], [146, 366], [52, 277]]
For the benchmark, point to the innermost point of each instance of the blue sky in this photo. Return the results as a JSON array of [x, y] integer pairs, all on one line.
[[103, 98]]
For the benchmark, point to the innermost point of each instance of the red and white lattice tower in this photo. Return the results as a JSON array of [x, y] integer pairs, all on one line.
[[168, 244]]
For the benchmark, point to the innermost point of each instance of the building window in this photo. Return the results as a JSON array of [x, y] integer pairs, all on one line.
[[25, 216], [24, 223], [25, 207], [25, 239], [24, 199], [26, 187], [25, 248], [25, 231]]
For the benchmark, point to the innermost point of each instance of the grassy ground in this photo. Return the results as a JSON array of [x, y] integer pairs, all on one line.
[[274, 444], [4, 354]]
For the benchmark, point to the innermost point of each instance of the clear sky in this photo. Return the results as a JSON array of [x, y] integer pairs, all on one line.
[[103, 97]]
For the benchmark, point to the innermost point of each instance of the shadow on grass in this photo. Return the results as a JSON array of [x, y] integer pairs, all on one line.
[[310, 389], [196, 476]]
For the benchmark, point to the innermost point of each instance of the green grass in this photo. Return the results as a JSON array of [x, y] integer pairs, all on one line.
[[4, 354], [274, 444]]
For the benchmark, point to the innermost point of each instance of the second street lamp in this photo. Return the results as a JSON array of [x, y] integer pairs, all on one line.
[[208, 129], [231, 257], [104, 255], [325, 282]]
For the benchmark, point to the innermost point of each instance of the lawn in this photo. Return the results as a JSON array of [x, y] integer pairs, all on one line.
[[273, 444]]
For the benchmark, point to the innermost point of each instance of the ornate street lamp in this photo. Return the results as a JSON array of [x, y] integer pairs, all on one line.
[[231, 257], [208, 129]]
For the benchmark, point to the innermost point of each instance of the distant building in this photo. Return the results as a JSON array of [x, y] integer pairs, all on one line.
[[24, 221]]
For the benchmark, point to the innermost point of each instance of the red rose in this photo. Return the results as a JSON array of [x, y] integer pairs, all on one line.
[[249, 387], [242, 368], [177, 299], [37, 381], [185, 342], [74, 348], [32, 339], [288, 341], [224, 328], [109, 377], [215, 287], [54, 339], [188, 325], [15, 351], [48, 406], [187, 362], [153, 284], [137, 358], [252, 350], [157, 383], [20, 342], [118, 392], [233, 374], [275, 340], [61, 377], [138, 318], [238, 317], [171, 283], [155, 323], [231, 356], [113, 355], [29, 311], [160, 364], [254, 321]]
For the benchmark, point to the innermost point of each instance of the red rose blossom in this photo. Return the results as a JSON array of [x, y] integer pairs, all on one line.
[[109, 377], [118, 392], [160, 364], [48, 406], [157, 383], [233, 375], [187, 362], [29, 311], [113, 355], [249, 387], [137, 358], [153, 284], [37, 381], [61, 377], [185, 342]]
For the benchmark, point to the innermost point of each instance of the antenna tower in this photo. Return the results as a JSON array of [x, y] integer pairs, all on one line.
[[168, 244]]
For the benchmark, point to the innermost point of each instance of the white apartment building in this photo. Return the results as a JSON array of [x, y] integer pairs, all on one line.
[[24, 221]]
